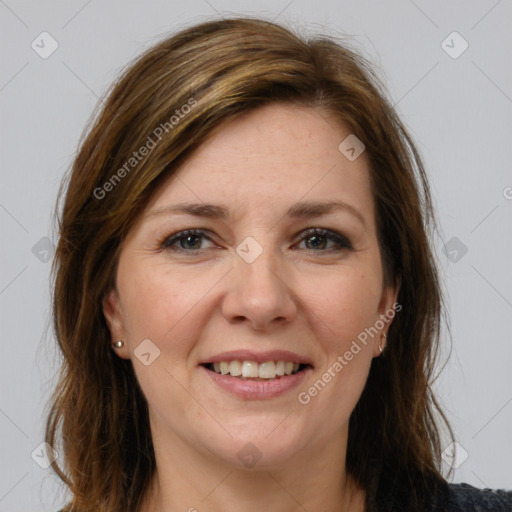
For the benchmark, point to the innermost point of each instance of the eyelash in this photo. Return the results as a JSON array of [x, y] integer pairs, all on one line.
[[342, 242]]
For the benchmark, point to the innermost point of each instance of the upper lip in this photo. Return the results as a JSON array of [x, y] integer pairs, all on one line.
[[258, 357]]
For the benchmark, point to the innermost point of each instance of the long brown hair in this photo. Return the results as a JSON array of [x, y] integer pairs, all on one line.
[[170, 100]]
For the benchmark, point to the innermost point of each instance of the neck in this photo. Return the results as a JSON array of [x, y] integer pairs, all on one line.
[[195, 482]]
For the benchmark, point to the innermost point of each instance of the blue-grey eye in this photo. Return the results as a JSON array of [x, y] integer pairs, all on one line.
[[319, 239]]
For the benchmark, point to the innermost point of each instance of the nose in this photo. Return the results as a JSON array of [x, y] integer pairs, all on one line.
[[259, 294]]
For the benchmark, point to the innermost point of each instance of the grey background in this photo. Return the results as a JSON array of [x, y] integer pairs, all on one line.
[[457, 109]]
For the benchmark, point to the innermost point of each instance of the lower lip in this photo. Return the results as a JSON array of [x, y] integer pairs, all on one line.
[[257, 389]]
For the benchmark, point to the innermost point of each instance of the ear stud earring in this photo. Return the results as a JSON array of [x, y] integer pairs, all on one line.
[[118, 344]]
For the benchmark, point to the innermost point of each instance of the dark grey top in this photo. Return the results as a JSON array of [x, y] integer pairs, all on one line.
[[466, 498]]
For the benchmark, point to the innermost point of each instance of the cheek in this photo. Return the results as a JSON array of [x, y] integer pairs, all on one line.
[[159, 306], [346, 303], [347, 306], [164, 307], [152, 305]]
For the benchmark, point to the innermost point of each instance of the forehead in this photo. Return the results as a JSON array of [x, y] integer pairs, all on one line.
[[273, 156]]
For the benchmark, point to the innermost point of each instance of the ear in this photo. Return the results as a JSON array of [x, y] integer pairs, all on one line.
[[389, 296], [388, 308], [114, 318]]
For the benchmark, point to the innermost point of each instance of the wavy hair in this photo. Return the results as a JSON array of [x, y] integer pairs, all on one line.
[[221, 69]]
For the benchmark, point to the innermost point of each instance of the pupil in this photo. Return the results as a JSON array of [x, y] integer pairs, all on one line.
[[190, 237], [318, 240]]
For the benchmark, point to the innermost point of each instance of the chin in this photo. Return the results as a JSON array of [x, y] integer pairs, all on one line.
[[260, 442]]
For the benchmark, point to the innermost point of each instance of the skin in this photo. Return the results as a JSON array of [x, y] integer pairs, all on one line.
[[312, 299]]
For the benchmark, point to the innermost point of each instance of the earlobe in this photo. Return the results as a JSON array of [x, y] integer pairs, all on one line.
[[388, 308], [388, 300], [110, 305], [114, 319]]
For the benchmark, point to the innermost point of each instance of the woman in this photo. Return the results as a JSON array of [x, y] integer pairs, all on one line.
[[245, 297]]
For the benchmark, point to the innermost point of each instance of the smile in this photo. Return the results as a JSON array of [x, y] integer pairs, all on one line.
[[253, 370], [254, 374]]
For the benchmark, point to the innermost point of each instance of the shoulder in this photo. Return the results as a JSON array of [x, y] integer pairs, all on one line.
[[437, 496], [465, 498]]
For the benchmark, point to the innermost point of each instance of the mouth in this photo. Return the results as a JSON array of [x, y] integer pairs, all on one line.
[[253, 371], [256, 375]]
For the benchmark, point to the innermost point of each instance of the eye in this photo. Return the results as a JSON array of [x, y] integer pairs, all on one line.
[[185, 241], [318, 240]]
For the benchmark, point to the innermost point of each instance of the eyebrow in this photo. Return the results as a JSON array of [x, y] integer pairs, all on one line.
[[302, 210]]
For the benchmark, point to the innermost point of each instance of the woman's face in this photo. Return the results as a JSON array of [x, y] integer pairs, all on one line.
[[254, 283]]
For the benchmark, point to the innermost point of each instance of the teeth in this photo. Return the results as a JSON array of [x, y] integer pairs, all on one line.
[[235, 368], [267, 370], [251, 369]]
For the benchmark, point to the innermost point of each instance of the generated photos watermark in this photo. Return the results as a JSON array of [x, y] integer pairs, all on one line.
[[304, 397], [139, 155]]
